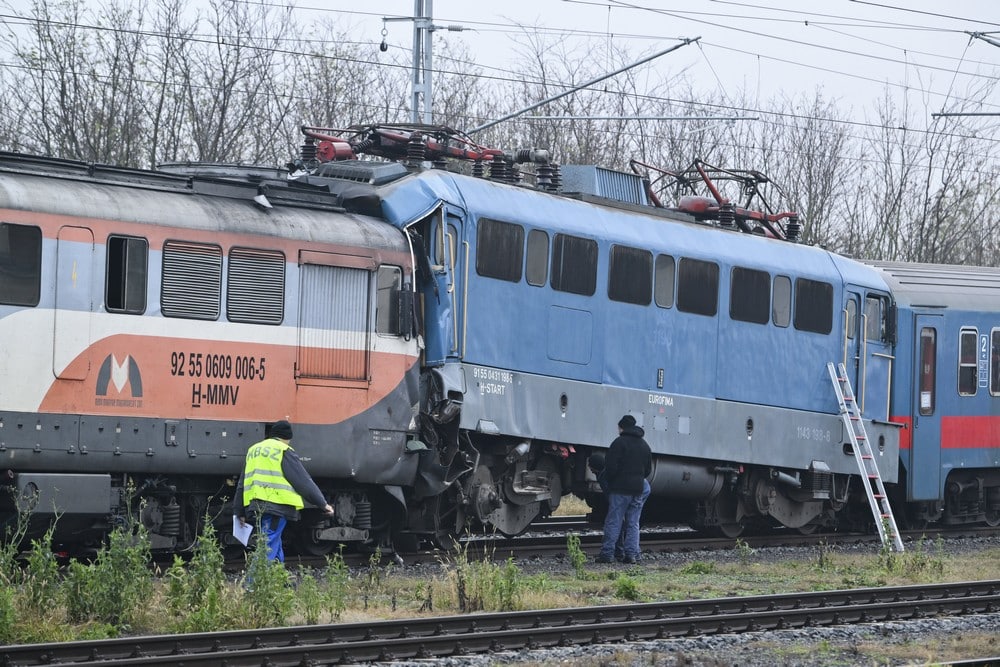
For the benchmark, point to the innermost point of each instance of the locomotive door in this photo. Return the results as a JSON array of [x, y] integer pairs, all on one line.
[[867, 350], [852, 341], [925, 439], [443, 291], [74, 295]]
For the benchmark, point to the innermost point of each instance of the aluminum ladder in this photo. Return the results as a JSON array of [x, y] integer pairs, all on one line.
[[872, 480]]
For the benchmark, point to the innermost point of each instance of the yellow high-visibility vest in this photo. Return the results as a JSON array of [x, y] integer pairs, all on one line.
[[262, 476]]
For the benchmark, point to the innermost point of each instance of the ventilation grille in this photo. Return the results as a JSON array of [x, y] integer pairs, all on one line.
[[601, 182], [192, 280]]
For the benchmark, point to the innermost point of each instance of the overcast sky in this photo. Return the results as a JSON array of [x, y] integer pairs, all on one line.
[[850, 49]]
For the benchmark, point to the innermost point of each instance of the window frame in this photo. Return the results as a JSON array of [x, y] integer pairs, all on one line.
[[531, 257], [35, 274], [386, 306], [693, 284], [927, 378], [498, 255], [742, 306], [785, 300], [630, 275], [582, 249], [964, 365], [668, 286], [806, 319], [995, 361]]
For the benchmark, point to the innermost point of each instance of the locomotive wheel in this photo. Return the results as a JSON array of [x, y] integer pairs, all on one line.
[[992, 519], [732, 530], [808, 529], [727, 510]]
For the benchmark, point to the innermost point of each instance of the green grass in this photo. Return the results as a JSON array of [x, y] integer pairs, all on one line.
[[116, 595]]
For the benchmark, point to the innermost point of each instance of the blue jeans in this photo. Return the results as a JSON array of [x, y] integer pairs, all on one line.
[[271, 527], [623, 517]]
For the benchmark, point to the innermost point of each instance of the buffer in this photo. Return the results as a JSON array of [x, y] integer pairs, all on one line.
[[871, 479]]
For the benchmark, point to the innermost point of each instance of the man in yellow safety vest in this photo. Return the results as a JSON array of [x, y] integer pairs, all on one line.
[[273, 487]]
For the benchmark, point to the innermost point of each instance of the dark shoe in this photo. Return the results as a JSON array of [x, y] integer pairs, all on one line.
[[628, 560], [620, 558], [603, 559]]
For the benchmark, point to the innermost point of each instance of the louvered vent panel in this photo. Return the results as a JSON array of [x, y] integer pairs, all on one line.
[[192, 280], [255, 290], [333, 330]]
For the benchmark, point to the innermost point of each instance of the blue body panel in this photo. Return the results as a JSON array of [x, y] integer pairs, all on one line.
[[521, 327]]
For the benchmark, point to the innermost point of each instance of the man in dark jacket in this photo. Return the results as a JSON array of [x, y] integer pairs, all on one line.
[[273, 486], [627, 466]]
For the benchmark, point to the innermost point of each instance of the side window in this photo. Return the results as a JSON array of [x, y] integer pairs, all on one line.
[[255, 286], [441, 247], [928, 369], [125, 278], [781, 304], [995, 362], [388, 283], [852, 318], [967, 362], [663, 281], [813, 306], [537, 268], [875, 314], [698, 287], [750, 295], [630, 275], [192, 280], [500, 250], [20, 264], [574, 264]]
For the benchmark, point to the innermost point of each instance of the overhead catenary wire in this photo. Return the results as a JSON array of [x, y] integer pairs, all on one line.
[[581, 86], [690, 103]]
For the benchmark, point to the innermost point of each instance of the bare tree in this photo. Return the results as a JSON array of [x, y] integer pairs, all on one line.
[[165, 106], [55, 84], [230, 80]]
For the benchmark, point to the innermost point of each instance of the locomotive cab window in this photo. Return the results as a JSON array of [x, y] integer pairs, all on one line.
[[967, 362], [813, 306], [500, 250], [574, 264], [851, 318], [537, 264], [750, 295], [630, 275], [20, 264], [663, 281], [192, 280], [255, 287], [125, 280], [441, 246], [698, 287], [876, 310], [389, 280]]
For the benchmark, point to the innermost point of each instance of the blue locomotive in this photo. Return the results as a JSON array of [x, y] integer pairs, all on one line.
[[452, 346]]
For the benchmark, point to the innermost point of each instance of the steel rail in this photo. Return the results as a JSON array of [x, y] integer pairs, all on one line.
[[478, 633]]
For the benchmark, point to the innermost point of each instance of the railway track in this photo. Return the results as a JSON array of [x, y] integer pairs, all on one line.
[[549, 539], [483, 633]]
